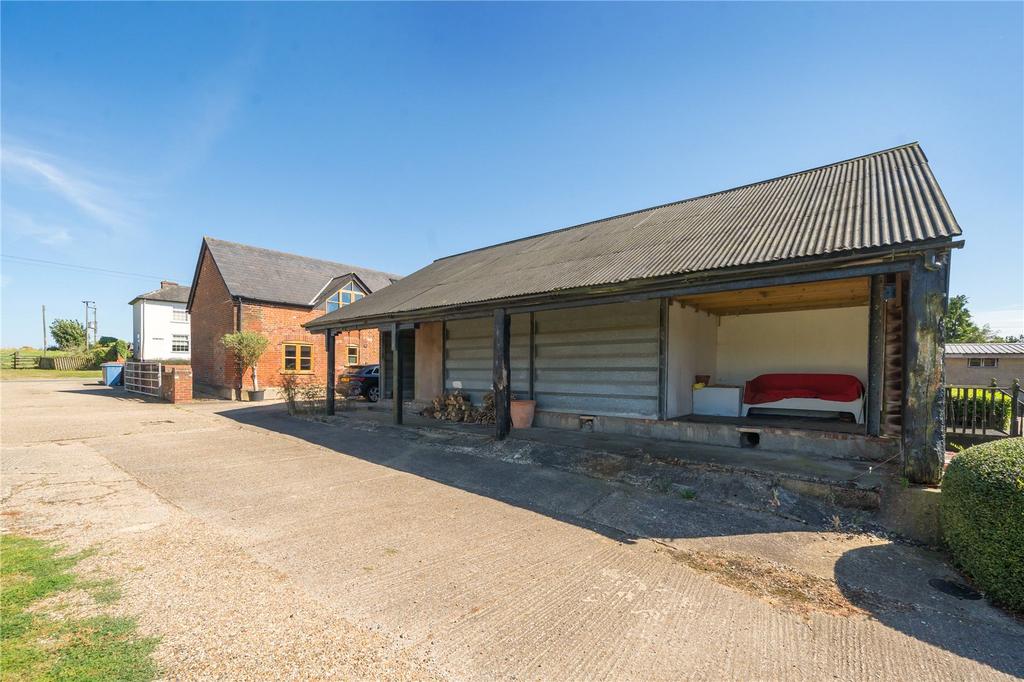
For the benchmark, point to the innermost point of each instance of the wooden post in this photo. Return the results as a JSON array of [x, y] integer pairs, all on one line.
[[396, 376], [329, 341], [924, 427], [876, 355], [502, 362], [662, 357], [1015, 408]]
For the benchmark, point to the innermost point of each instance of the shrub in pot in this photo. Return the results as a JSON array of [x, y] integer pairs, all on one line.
[[982, 510], [248, 347]]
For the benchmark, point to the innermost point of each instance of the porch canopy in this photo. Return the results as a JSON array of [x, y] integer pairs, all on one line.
[[849, 233]]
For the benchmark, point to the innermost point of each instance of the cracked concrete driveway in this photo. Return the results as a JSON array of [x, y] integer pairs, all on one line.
[[254, 544]]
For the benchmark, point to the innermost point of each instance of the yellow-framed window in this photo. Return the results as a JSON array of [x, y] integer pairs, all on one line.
[[353, 355], [298, 357], [350, 293]]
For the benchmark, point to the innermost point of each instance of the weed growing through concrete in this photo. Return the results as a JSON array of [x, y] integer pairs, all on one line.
[[687, 494], [46, 635]]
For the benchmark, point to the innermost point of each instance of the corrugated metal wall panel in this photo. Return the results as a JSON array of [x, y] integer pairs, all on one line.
[[469, 349], [600, 360]]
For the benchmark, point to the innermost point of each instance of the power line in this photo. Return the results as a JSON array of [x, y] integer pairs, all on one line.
[[117, 273]]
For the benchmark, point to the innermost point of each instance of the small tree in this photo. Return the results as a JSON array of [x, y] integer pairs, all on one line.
[[247, 347], [68, 334]]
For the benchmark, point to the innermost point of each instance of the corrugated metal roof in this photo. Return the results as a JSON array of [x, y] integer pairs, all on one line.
[[174, 293], [985, 349], [266, 275], [882, 199]]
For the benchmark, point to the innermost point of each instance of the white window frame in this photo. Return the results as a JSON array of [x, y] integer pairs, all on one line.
[[983, 363], [352, 350], [179, 315], [176, 340]]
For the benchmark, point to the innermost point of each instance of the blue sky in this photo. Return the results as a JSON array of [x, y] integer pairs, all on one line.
[[389, 135]]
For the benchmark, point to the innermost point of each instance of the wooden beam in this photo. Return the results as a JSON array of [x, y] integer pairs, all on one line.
[[876, 355], [329, 342], [396, 376], [502, 363], [662, 357], [805, 296], [924, 401]]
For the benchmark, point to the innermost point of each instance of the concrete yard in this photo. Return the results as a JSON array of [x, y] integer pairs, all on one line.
[[256, 544]]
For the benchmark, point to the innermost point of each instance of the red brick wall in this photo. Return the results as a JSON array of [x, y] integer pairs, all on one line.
[[176, 384], [283, 324], [212, 316]]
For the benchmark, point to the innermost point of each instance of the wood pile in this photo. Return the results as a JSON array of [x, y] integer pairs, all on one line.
[[456, 407]]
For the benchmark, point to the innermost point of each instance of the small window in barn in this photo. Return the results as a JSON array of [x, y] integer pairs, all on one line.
[[298, 357], [179, 315], [350, 293], [353, 355], [179, 343], [982, 362]]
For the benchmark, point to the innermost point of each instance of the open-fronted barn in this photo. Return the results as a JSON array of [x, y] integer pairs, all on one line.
[[802, 312]]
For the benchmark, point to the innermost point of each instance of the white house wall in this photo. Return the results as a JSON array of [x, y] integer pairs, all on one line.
[[692, 338], [155, 327], [834, 340]]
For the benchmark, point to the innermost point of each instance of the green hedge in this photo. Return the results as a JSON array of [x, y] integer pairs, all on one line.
[[962, 399], [983, 518]]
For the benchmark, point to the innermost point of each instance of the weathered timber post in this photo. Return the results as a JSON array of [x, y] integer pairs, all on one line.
[[924, 427], [329, 341], [876, 355], [396, 376], [1015, 408], [502, 392]]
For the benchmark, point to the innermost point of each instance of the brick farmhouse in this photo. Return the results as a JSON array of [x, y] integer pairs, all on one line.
[[240, 287]]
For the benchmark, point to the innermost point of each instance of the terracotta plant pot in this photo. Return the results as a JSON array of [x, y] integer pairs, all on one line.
[[522, 413]]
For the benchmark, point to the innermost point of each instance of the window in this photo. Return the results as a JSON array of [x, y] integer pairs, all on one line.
[[982, 362], [353, 355], [179, 343], [298, 357], [179, 315], [347, 294]]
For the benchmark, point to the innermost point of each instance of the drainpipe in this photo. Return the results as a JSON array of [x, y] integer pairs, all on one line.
[[238, 328]]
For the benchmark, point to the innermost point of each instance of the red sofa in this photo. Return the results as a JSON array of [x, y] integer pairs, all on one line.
[[815, 392]]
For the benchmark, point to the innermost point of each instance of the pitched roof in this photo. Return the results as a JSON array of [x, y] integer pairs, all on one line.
[[174, 293], [873, 201], [277, 277], [985, 349]]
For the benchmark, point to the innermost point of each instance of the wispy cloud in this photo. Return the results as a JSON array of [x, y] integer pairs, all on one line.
[[47, 234], [81, 189], [210, 113], [1006, 321]]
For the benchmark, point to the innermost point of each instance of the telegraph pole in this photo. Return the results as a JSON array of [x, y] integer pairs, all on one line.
[[44, 331], [90, 305]]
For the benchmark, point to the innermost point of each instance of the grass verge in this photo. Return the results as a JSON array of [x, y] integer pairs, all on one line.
[[46, 634], [8, 374]]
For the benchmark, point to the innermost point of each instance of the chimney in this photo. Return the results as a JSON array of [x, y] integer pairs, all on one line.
[[164, 284]]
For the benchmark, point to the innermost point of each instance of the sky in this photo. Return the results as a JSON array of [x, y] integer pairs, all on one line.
[[388, 135]]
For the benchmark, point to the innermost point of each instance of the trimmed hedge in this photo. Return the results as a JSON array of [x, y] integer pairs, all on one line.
[[983, 518]]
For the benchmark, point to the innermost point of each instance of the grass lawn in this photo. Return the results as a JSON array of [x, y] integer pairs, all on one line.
[[42, 640], [7, 374]]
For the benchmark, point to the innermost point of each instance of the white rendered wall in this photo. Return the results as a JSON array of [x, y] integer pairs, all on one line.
[[834, 340], [157, 329], [691, 351]]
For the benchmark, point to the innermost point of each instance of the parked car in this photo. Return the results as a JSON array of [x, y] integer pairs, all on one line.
[[360, 382]]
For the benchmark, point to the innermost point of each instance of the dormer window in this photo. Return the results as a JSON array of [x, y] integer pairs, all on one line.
[[347, 294]]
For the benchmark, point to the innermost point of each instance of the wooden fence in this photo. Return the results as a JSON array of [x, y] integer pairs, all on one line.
[[142, 377], [64, 363], [18, 360], [985, 410]]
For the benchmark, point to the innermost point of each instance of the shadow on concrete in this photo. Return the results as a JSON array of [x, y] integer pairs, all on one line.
[[115, 392], [967, 627], [890, 581]]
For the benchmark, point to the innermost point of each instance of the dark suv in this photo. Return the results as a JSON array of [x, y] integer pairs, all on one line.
[[360, 382]]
